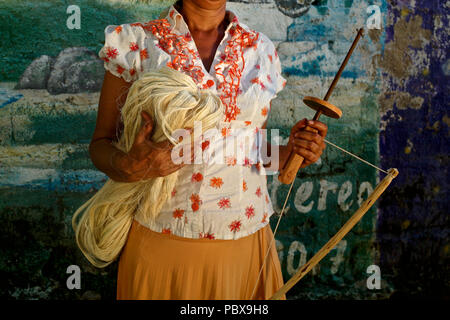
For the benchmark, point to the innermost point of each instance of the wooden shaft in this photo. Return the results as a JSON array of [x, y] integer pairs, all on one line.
[[294, 162], [344, 63], [366, 205]]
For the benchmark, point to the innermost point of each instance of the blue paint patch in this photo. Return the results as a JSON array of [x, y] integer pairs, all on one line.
[[8, 96], [52, 179]]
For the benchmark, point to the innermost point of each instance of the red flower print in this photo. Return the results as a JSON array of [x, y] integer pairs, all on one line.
[[258, 66], [224, 203], [178, 213], [258, 192], [120, 69], [267, 199], [264, 111], [244, 186], [231, 161], [247, 162], [216, 182], [249, 211], [112, 52], [269, 78], [118, 29], [270, 57], [132, 71], [105, 59], [172, 12], [187, 37], [196, 177], [255, 80], [205, 144], [235, 226], [209, 83], [166, 231], [247, 123], [195, 199], [206, 236], [144, 54], [134, 46], [173, 193], [264, 219], [226, 132]]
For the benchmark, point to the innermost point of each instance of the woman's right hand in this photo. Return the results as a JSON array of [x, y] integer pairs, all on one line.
[[146, 159]]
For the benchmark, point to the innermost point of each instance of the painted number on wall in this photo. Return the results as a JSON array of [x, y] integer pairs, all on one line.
[[296, 247]]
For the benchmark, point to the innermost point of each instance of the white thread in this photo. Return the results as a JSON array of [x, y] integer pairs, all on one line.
[[271, 242], [355, 156]]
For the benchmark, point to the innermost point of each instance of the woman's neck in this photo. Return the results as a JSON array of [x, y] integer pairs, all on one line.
[[201, 16]]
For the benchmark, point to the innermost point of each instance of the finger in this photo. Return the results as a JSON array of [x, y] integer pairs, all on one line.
[[164, 145], [145, 131], [299, 125], [306, 163], [309, 145], [308, 155], [308, 136], [321, 127], [147, 118]]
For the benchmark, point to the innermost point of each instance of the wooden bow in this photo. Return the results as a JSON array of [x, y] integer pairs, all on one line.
[[365, 206]]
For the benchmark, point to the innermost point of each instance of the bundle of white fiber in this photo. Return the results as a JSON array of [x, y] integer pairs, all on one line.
[[174, 101]]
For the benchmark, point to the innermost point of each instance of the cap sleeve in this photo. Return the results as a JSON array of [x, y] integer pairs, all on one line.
[[271, 66], [124, 51], [280, 81]]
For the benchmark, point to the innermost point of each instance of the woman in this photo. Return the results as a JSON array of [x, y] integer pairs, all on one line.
[[210, 239]]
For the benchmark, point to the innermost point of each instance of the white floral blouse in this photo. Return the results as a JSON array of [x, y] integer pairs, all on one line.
[[221, 200]]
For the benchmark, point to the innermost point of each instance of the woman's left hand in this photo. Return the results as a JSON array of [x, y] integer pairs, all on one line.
[[308, 144]]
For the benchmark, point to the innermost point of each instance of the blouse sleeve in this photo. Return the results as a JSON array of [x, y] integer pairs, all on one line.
[[271, 65], [123, 51], [280, 81]]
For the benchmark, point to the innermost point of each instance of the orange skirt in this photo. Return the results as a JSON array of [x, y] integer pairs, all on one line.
[[156, 266]]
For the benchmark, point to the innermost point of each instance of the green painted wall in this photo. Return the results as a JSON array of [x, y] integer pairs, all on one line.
[[45, 171]]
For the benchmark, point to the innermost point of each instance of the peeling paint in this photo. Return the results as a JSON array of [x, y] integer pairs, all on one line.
[[399, 60]]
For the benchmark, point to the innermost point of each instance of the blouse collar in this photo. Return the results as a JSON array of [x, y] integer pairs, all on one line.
[[177, 22]]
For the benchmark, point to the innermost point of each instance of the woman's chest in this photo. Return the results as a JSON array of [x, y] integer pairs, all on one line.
[[231, 68]]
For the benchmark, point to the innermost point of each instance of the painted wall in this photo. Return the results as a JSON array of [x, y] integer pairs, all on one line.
[[413, 222], [393, 79]]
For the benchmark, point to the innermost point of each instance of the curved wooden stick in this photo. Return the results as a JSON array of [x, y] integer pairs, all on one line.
[[366, 205]]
